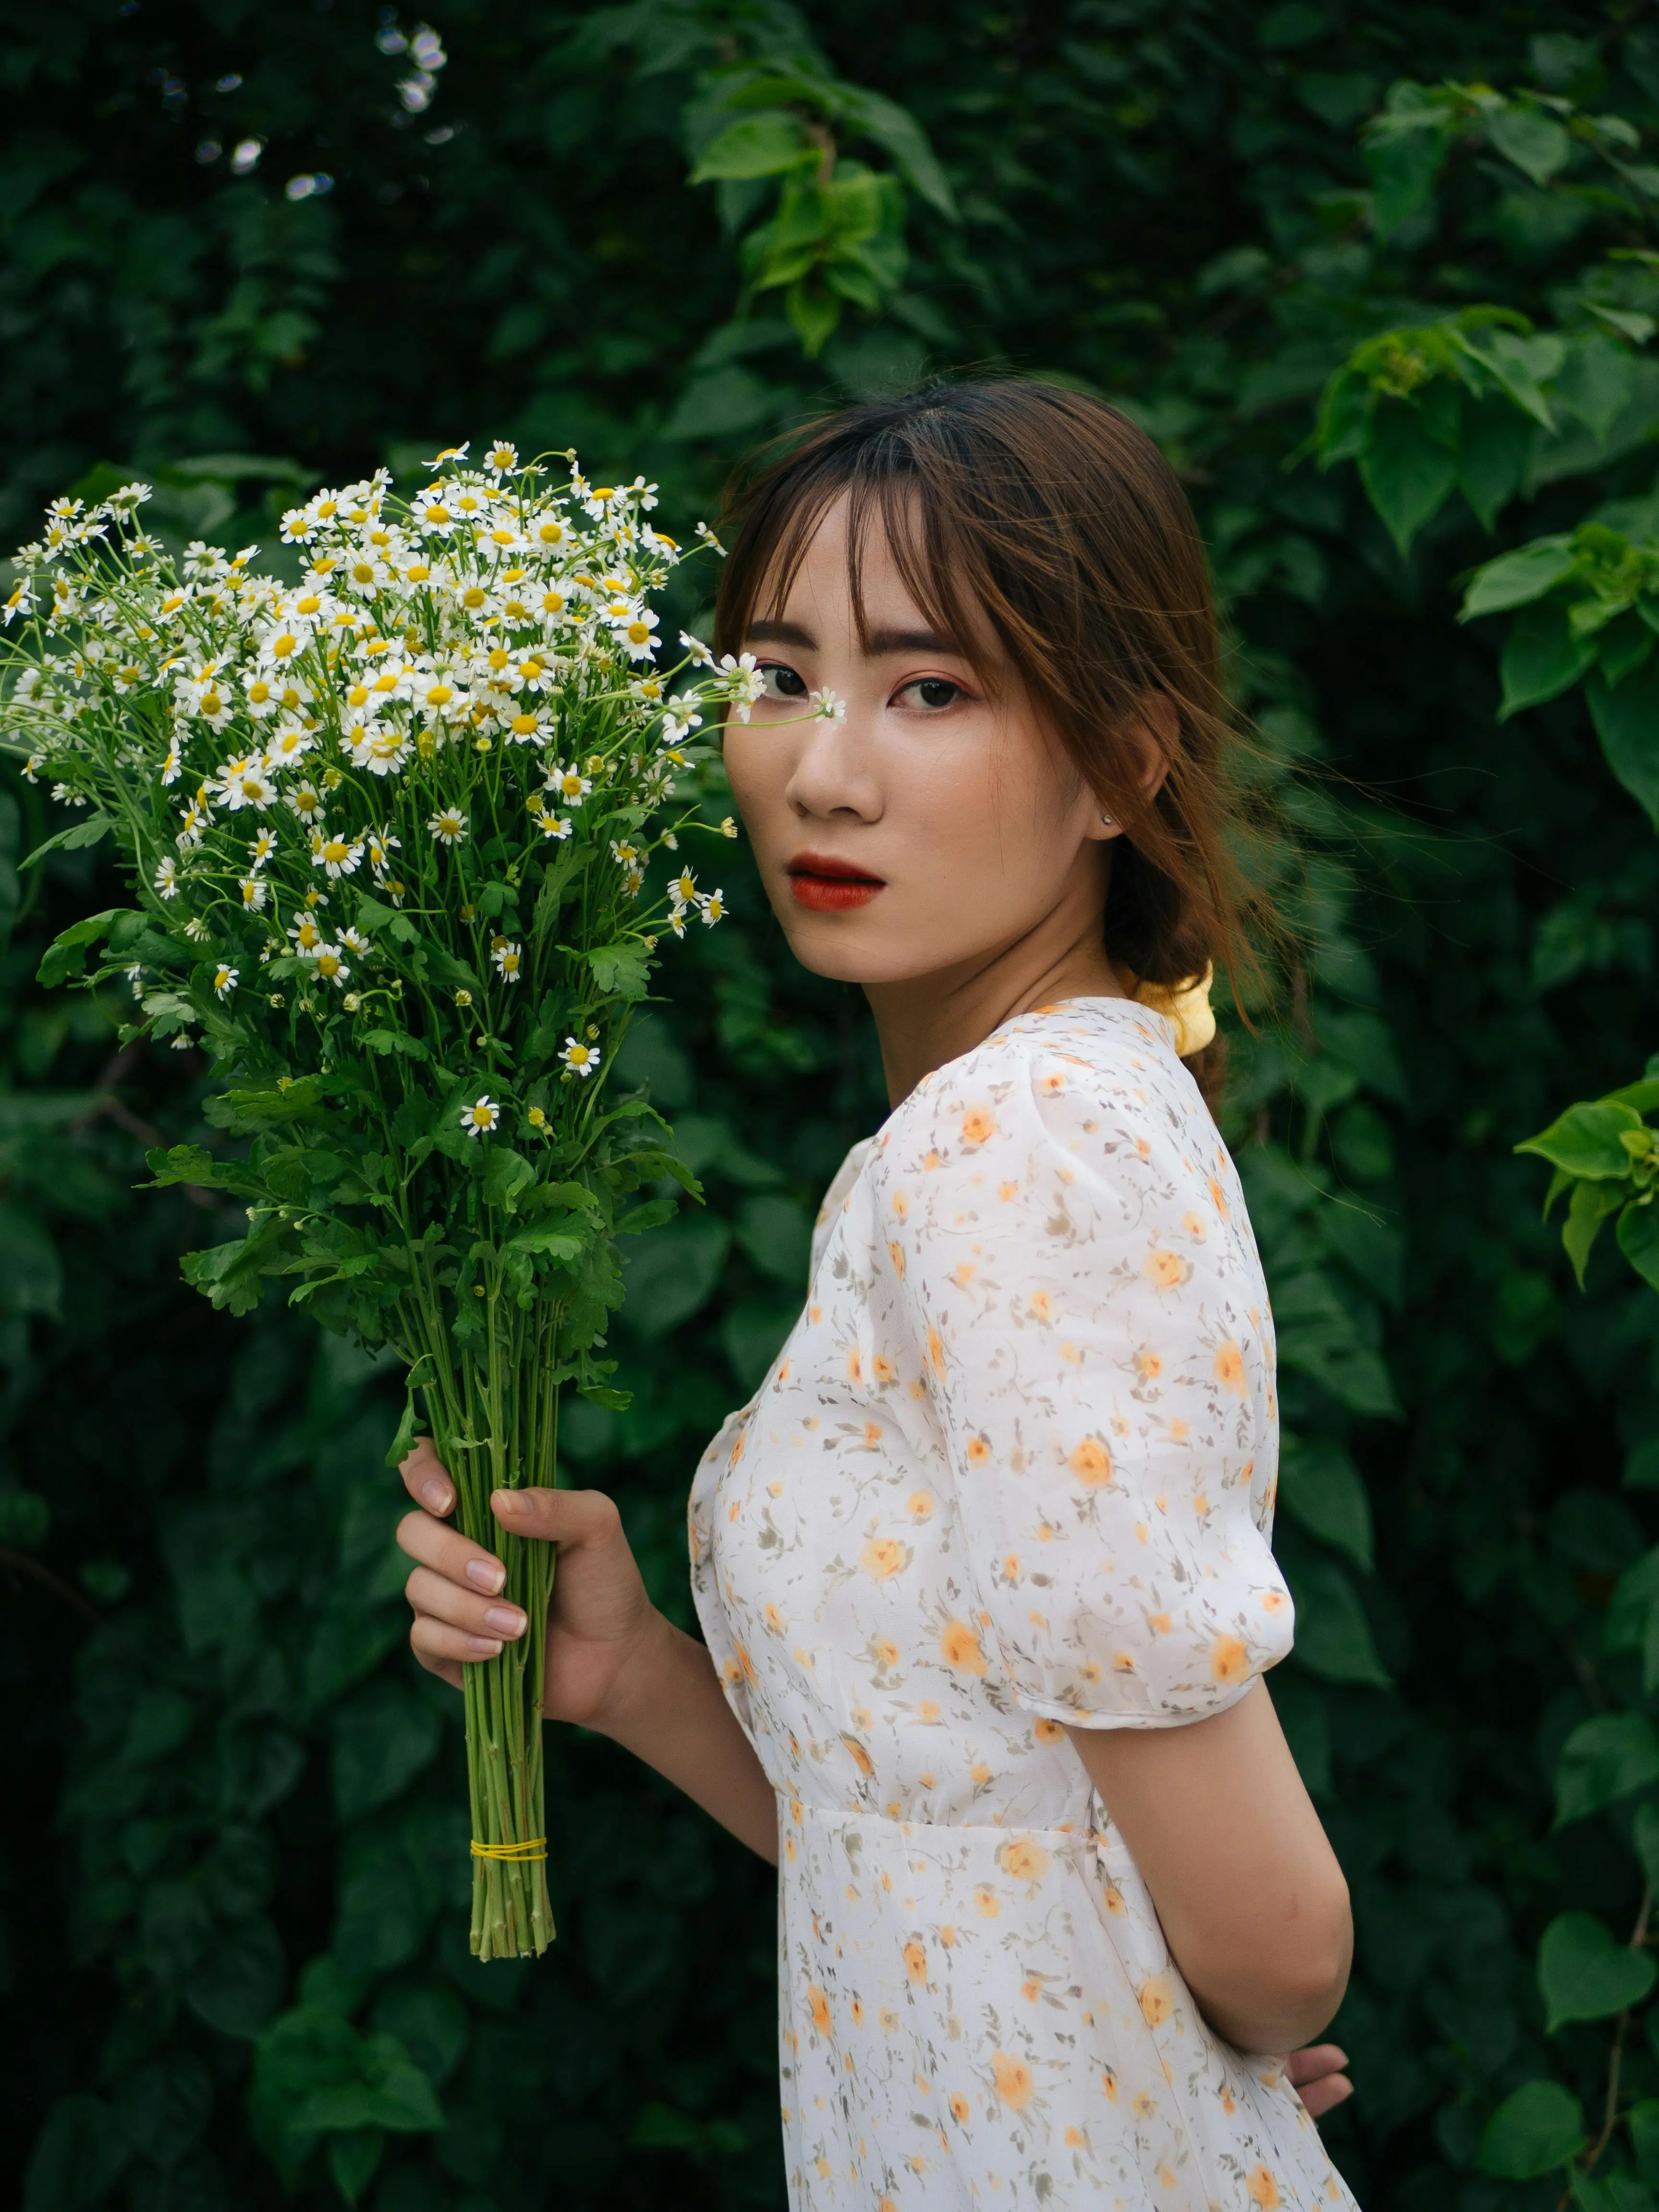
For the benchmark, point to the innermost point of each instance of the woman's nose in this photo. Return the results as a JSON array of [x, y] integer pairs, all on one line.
[[831, 776]]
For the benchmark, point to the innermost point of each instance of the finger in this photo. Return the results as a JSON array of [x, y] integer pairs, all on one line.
[[1325, 2095], [447, 1669], [426, 1478], [558, 1516], [449, 1553], [433, 1596], [435, 1639], [1313, 2060]]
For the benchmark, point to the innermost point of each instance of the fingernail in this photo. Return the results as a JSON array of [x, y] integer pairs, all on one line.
[[485, 1647], [507, 1501], [507, 1617], [438, 1495], [487, 1575]]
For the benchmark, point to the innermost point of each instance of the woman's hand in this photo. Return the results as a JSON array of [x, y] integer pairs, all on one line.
[[599, 1619], [1316, 2074], [614, 1662]]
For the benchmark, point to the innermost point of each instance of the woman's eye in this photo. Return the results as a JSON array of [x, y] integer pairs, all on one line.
[[782, 683], [932, 692]]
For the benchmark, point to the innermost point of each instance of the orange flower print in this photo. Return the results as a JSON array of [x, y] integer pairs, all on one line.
[[1261, 2189], [854, 1365], [1157, 2000], [774, 1620], [1229, 1369], [820, 2008], [859, 1756], [1021, 1859], [979, 1451], [1075, 2139], [1042, 1306], [1108, 2082], [1230, 1660], [964, 1275], [959, 2105], [896, 1254], [1047, 1731], [883, 1556], [1150, 1362], [986, 1903], [1012, 2078], [857, 2010], [883, 1370], [1092, 1464], [886, 1652], [1168, 1270], [935, 1352], [919, 1506], [1218, 1200], [961, 1648], [978, 1124], [915, 1963]]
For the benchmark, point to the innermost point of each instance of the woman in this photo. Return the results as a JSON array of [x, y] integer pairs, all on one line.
[[983, 1566]]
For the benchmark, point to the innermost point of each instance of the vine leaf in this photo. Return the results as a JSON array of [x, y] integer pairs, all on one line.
[[1585, 1973]]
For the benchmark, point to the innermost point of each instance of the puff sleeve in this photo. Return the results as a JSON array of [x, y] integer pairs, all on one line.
[[1071, 1263]]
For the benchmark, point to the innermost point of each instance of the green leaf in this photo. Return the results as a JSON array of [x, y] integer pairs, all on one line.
[[674, 1273], [1639, 1240], [552, 1240], [1597, 382], [1542, 658], [507, 1173], [761, 145], [623, 969], [1320, 1486], [383, 1738], [1538, 2129], [1585, 1139], [353, 2160], [1628, 723], [1604, 1759], [1492, 461], [238, 1983], [1519, 364], [1589, 1208], [1585, 1974], [1537, 144], [66, 955], [1333, 1635], [1407, 475], [77, 2158], [72, 840], [1515, 580], [1405, 165], [1642, 2121]]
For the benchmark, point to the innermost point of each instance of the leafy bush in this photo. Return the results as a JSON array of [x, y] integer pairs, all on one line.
[[1180, 207]]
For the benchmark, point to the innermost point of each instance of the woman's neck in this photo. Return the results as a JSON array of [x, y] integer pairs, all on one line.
[[926, 1020]]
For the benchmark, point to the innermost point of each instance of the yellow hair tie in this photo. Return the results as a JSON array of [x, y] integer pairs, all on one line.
[[514, 1853], [1185, 1006]]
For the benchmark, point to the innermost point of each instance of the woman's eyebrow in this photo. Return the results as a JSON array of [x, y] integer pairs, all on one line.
[[781, 632], [882, 641]]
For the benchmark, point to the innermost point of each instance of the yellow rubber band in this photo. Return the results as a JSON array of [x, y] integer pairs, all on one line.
[[514, 1853]]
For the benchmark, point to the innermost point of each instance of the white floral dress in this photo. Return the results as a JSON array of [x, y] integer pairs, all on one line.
[[1014, 1468]]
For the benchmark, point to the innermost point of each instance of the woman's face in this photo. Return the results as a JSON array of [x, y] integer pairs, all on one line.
[[932, 829]]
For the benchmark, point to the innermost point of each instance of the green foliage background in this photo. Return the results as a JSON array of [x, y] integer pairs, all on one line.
[[234, 1866]]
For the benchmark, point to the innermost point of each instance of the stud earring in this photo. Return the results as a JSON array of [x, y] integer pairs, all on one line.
[[1107, 822]]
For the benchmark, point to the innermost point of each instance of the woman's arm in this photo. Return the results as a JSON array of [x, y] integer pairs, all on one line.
[[614, 1663], [1252, 1900]]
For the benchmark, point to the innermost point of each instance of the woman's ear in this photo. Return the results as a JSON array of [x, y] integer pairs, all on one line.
[[1149, 735]]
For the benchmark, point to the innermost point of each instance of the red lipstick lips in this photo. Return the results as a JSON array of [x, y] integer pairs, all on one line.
[[827, 885]]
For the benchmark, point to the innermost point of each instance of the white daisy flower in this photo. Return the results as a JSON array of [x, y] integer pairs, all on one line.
[[330, 967], [337, 856], [262, 847], [509, 959], [482, 1115], [568, 785], [501, 459], [448, 825], [353, 940], [224, 982], [580, 1058], [306, 801], [255, 891], [165, 877], [379, 747], [701, 657], [304, 933], [712, 906]]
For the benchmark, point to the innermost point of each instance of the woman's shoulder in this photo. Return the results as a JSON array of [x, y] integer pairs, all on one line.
[[1049, 1069]]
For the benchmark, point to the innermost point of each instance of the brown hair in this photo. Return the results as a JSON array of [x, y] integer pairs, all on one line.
[[1060, 520]]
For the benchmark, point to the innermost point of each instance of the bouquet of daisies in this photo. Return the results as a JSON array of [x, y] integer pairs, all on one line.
[[390, 830]]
